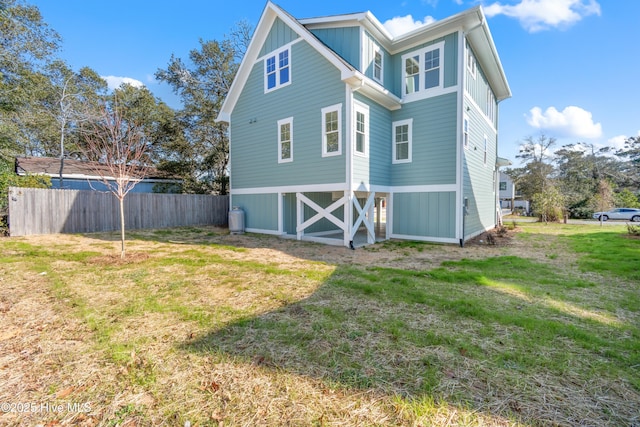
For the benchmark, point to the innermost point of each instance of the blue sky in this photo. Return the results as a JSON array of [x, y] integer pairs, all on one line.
[[572, 65]]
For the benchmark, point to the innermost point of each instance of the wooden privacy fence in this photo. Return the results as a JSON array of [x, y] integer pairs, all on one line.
[[47, 211]]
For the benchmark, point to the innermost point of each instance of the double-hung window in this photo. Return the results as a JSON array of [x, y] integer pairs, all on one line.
[[423, 71], [402, 136], [332, 130], [362, 129], [277, 69], [285, 140], [486, 147], [377, 66]]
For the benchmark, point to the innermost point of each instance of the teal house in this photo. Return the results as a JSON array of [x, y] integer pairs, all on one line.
[[343, 134]]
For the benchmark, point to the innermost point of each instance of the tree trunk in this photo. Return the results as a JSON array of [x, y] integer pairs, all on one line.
[[121, 200]]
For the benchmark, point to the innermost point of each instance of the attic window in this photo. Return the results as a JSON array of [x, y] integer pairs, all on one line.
[[277, 70]]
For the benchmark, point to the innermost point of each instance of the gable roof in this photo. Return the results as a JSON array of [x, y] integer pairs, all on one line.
[[472, 21], [50, 166], [348, 73]]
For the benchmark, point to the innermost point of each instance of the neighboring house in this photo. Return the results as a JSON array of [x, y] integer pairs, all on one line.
[[332, 118], [80, 175], [511, 199]]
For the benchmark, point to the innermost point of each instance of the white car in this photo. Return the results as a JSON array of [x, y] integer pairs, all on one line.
[[627, 214]]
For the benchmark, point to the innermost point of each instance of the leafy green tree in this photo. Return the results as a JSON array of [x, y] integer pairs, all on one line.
[[202, 86], [626, 199], [27, 45]]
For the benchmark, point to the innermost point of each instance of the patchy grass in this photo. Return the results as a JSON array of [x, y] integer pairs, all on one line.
[[196, 325]]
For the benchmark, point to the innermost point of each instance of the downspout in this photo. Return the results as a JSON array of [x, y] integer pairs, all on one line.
[[460, 142]]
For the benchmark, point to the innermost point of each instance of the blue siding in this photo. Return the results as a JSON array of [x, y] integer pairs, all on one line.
[[344, 41], [260, 210], [280, 35], [434, 142], [425, 214], [315, 84], [478, 89], [479, 185], [375, 169]]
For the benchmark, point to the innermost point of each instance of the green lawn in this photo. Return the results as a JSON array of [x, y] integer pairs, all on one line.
[[200, 326]]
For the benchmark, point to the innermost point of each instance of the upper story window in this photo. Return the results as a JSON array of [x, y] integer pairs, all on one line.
[[486, 146], [277, 69], [332, 130], [362, 129], [465, 132], [423, 70], [402, 139], [491, 105], [471, 62], [377, 66], [285, 140]]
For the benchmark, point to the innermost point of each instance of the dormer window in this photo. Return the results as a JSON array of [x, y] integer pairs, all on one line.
[[277, 69], [422, 71]]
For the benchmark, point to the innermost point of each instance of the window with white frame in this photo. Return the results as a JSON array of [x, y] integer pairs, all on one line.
[[402, 136], [471, 62], [423, 70], [486, 143], [285, 140], [491, 105], [362, 129], [277, 69], [332, 130], [465, 132], [377, 65]]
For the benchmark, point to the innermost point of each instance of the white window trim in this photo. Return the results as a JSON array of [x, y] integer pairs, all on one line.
[[491, 105], [394, 125], [325, 110], [278, 85], [486, 150], [472, 64], [288, 120], [423, 93], [377, 49], [364, 109], [466, 134]]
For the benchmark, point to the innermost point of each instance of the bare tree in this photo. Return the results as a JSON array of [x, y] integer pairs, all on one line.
[[121, 149]]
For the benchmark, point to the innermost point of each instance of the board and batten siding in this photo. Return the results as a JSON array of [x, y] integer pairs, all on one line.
[[433, 142], [315, 84], [428, 215], [450, 62], [479, 185], [280, 35], [260, 210], [375, 167], [478, 89], [344, 41]]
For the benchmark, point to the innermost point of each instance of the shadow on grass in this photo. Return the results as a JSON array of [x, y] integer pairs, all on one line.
[[474, 334]]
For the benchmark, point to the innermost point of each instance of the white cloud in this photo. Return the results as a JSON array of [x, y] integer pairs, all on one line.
[[403, 24], [538, 15], [570, 122], [617, 142], [115, 82]]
